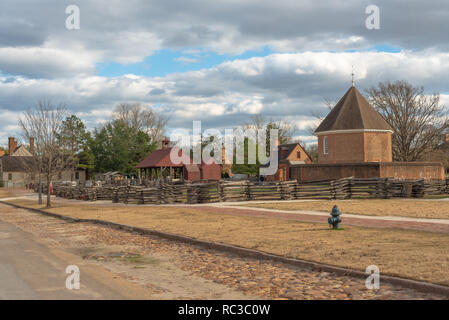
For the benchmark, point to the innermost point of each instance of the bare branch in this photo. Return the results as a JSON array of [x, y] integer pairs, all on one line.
[[142, 117], [419, 121], [50, 156]]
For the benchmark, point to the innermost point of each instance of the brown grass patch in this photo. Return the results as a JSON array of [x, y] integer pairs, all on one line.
[[411, 254], [5, 193], [371, 207]]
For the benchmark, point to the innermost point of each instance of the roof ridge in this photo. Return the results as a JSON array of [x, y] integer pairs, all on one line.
[[344, 105], [359, 107]]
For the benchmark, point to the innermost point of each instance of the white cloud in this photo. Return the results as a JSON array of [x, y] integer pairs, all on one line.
[[127, 32], [45, 62], [225, 95]]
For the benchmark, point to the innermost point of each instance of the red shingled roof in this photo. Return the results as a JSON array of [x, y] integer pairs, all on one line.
[[161, 158]]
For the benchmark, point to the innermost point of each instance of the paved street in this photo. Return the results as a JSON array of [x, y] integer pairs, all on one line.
[[31, 270]]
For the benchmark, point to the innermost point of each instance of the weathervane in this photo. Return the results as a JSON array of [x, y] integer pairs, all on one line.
[[352, 74]]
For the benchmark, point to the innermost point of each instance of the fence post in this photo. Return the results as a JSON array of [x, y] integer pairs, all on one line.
[[350, 184], [294, 186], [333, 191], [220, 191], [446, 190], [386, 186], [282, 188], [248, 190]]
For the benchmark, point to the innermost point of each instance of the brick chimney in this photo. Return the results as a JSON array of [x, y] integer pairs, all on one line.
[[12, 145], [223, 155], [284, 152], [165, 143], [32, 145]]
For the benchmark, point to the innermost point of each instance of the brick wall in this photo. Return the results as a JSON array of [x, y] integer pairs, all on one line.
[[314, 172], [210, 171], [343, 148], [412, 170], [398, 170], [355, 147], [377, 147]]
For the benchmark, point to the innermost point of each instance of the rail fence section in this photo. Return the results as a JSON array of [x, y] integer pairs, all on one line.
[[222, 191]]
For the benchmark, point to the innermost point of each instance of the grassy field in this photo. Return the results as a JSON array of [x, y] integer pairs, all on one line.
[[411, 254], [437, 209], [4, 193]]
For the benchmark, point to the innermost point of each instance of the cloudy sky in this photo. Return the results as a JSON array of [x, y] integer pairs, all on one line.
[[217, 61]]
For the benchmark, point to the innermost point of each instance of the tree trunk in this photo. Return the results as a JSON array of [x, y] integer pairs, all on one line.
[[40, 189], [48, 191]]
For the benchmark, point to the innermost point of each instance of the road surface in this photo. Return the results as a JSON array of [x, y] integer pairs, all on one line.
[[31, 270]]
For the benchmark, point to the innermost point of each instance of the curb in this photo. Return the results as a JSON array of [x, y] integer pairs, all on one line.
[[251, 253]]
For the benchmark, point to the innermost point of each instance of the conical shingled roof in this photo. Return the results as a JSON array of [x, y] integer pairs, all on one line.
[[353, 112]]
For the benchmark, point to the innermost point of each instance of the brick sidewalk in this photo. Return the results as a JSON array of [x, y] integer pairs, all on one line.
[[361, 222]]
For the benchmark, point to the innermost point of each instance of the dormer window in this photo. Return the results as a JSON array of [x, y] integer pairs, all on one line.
[[325, 146], [298, 154]]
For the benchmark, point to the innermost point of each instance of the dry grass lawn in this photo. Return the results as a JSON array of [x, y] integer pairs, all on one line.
[[437, 209], [411, 254], [5, 193]]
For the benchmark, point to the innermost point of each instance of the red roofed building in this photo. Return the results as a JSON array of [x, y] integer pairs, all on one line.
[[158, 164], [288, 155]]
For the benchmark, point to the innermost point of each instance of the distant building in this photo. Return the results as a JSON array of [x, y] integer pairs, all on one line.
[[158, 164], [15, 172], [16, 167], [288, 155]]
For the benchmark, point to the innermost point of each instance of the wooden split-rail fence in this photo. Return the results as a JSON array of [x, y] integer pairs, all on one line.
[[226, 191]]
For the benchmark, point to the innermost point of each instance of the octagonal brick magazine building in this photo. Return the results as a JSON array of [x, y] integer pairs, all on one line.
[[355, 140]]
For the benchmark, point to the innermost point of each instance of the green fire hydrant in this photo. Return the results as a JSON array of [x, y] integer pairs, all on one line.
[[335, 220]]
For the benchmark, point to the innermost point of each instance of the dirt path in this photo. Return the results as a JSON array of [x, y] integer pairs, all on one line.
[[172, 270]]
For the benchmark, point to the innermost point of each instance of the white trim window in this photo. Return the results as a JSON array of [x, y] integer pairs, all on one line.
[[325, 145]]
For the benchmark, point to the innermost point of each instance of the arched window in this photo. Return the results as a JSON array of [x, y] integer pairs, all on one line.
[[325, 146]]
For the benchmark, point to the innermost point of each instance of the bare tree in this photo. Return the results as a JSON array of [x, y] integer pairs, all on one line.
[[141, 117], [419, 121], [319, 116], [51, 157], [286, 127], [312, 151]]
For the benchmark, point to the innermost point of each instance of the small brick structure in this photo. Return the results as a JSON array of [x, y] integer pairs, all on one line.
[[354, 140], [354, 132]]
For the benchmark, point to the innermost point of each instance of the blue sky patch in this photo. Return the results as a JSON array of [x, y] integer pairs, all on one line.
[[167, 61]]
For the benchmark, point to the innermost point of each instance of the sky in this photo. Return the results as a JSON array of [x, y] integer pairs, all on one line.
[[218, 61]]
